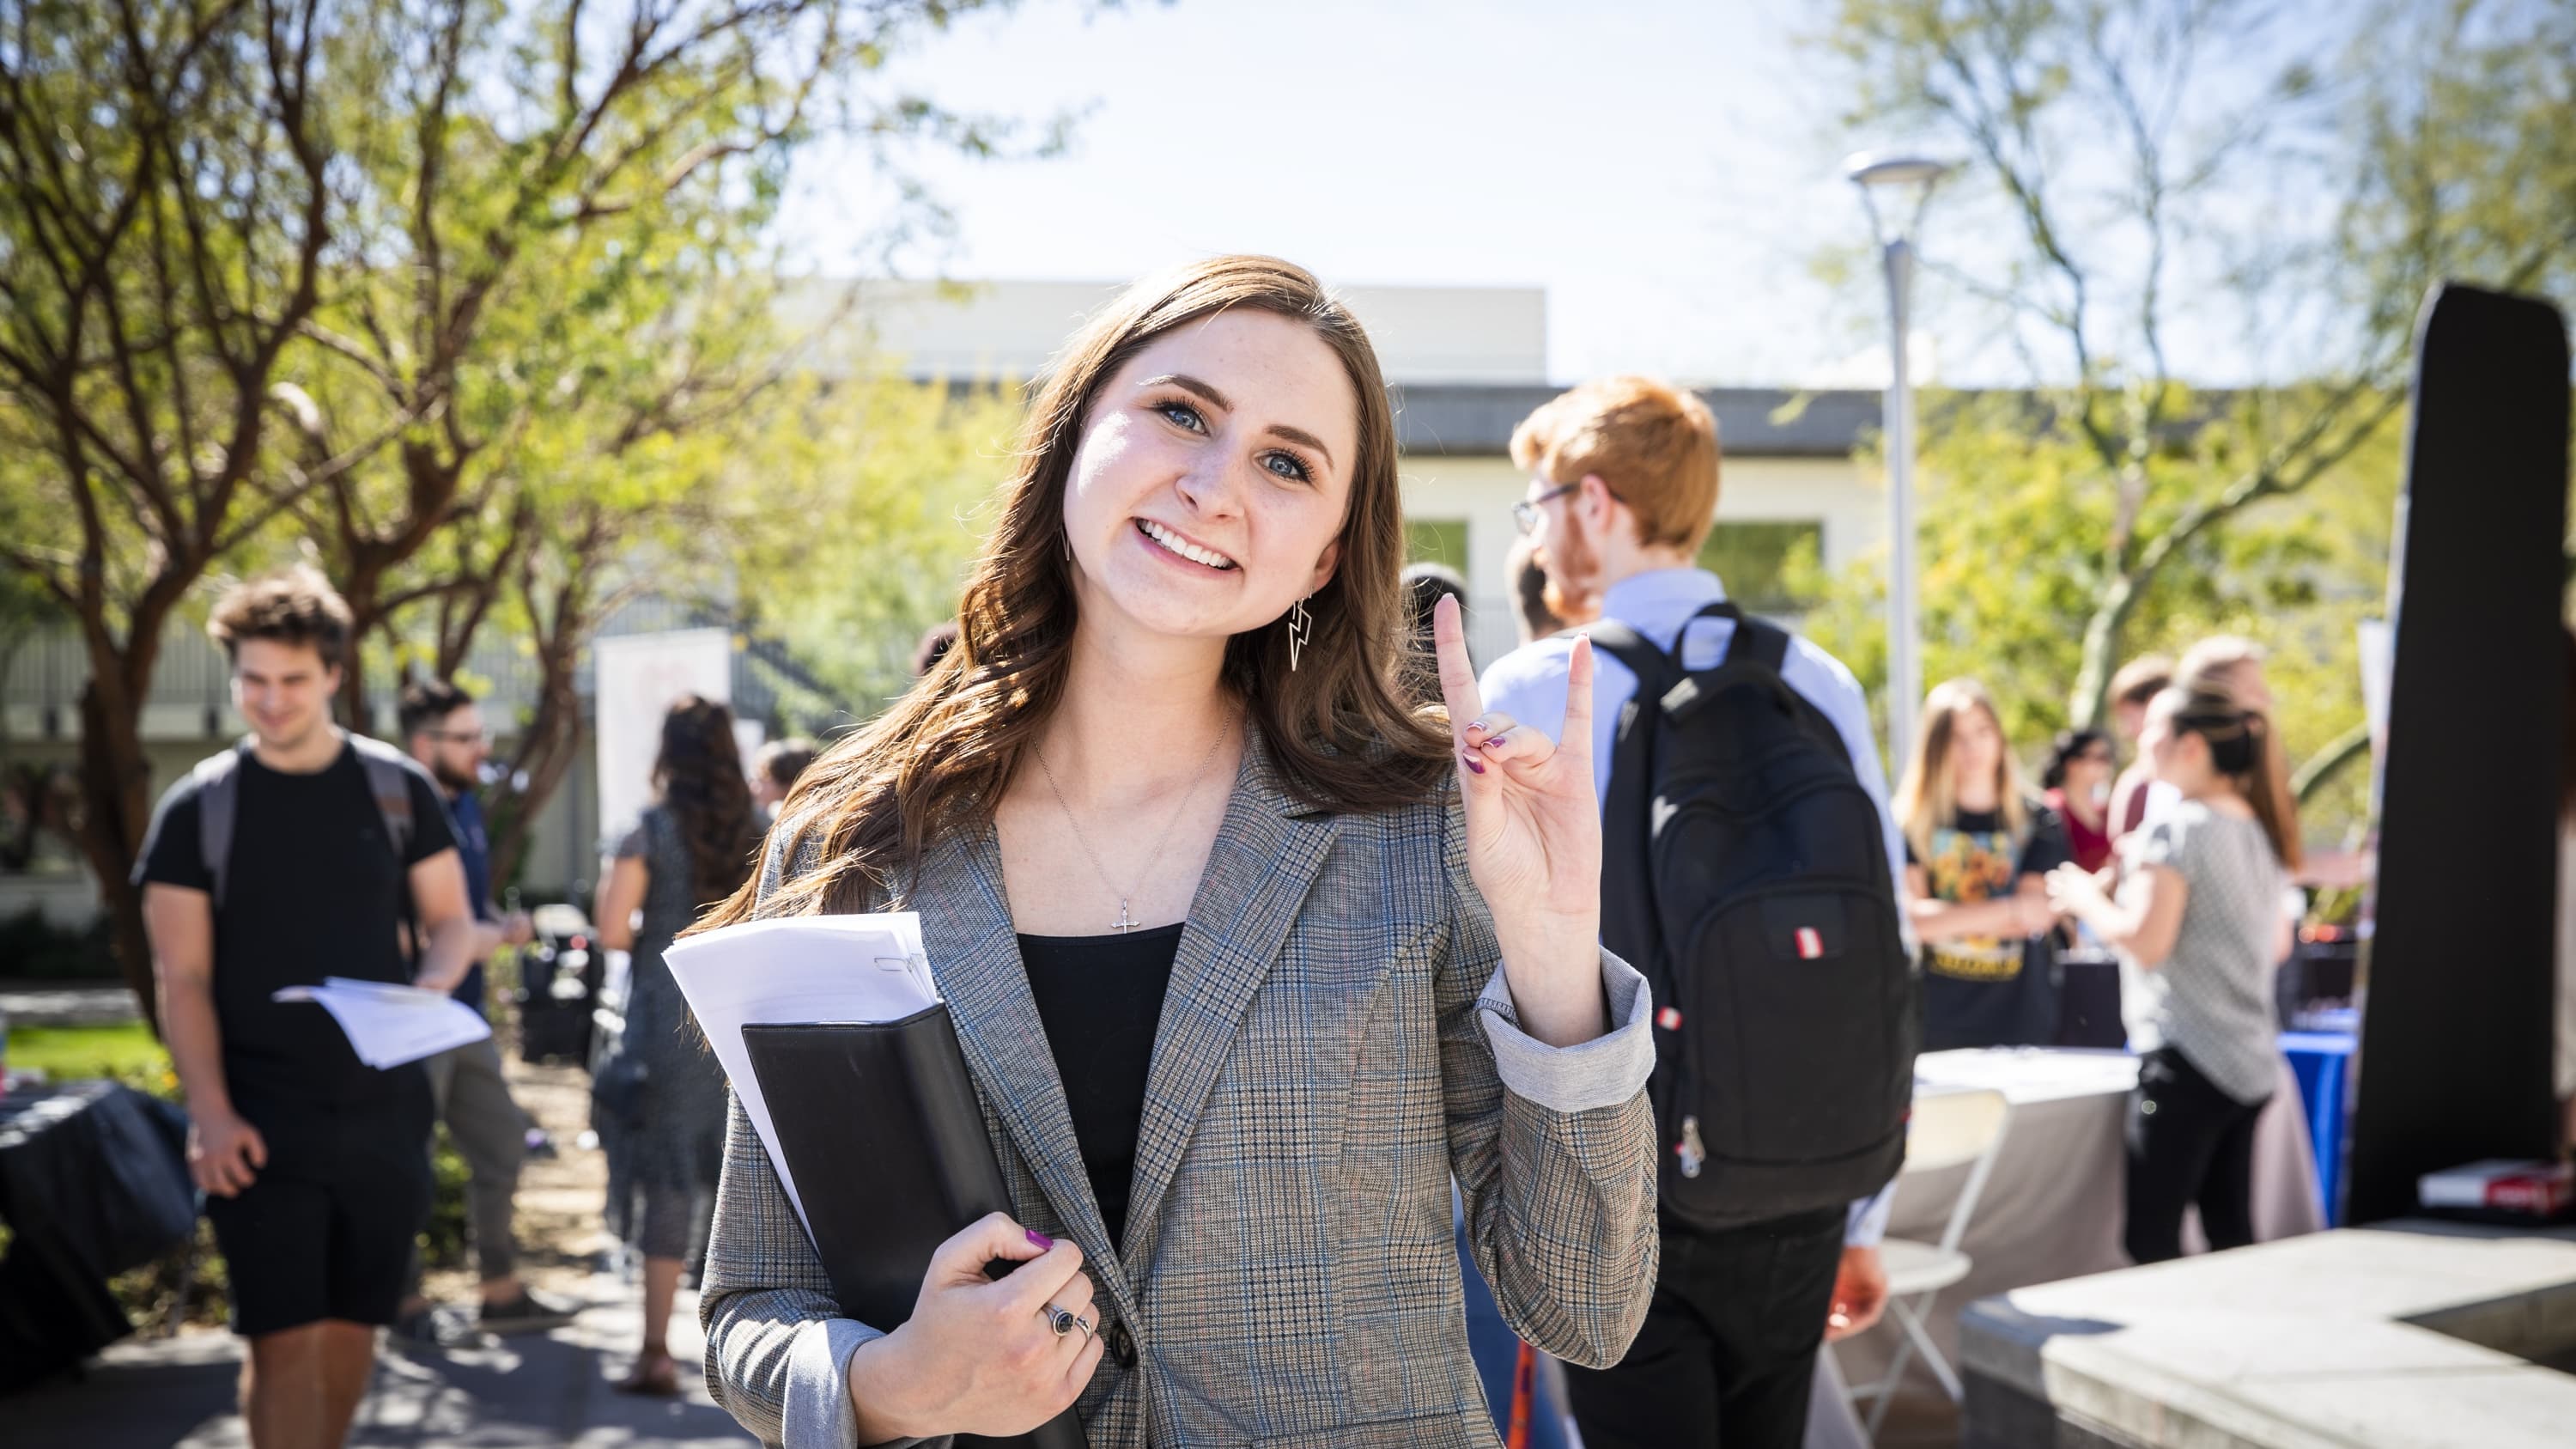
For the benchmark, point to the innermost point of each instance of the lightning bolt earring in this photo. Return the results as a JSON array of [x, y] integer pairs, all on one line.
[[1301, 627]]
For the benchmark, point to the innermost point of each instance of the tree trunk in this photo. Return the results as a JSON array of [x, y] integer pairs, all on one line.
[[2321, 768], [2087, 707], [546, 754], [116, 806]]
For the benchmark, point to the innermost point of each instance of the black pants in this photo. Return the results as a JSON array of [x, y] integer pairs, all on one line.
[[2188, 1143], [1728, 1353]]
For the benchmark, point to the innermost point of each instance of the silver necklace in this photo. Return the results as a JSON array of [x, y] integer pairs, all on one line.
[[1126, 919]]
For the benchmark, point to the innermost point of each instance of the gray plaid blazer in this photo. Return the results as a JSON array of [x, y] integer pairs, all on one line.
[[1337, 1042]]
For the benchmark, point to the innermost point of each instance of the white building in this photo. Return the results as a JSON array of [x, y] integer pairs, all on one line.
[[1466, 365]]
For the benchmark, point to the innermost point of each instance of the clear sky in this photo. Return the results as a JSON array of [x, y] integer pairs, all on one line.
[[1667, 171]]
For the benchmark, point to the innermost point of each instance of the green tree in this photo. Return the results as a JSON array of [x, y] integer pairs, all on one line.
[[2138, 166], [272, 265], [905, 472], [164, 202]]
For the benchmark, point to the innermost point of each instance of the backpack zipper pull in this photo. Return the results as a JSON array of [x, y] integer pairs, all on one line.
[[1693, 1154]]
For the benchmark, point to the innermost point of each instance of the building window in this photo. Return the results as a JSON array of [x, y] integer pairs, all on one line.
[[1437, 540], [1752, 560]]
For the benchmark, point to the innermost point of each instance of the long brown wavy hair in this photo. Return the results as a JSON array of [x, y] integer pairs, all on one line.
[[698, 774], [1338, 727], [1926, 797]]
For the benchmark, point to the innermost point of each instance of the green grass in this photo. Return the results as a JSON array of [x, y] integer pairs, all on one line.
[[128, 1052]]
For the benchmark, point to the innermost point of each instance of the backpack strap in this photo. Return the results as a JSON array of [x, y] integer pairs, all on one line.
[[1760, 649], [389, 780], [1759, 641], [389, 773], [1655, 670], [218, 780], [1629, 924]]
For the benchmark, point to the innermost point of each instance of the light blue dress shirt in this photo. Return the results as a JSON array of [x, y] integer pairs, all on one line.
[[1529, 684]]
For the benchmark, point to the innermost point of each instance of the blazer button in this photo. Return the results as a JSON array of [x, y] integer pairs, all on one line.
[[1122, 1345]]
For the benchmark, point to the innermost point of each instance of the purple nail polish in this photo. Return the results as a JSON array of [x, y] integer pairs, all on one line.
[[1474, 764], [1041, 1239], [1493, 740]]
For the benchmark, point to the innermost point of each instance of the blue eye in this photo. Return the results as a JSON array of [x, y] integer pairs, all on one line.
[[1288, 465], [1181, 415]]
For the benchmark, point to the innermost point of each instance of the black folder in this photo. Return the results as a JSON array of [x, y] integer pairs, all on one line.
[[881, 1132]]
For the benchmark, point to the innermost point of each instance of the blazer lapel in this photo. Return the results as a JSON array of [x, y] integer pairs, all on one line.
[[1265, 859], [975, 955]]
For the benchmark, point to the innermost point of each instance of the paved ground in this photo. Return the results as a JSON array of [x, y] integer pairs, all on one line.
[[58, 1003], [525, 1391], [552, 1389]]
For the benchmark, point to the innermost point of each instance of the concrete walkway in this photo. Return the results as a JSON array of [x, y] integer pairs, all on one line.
[[529, 1390], [532, 1389], [66, 1003]]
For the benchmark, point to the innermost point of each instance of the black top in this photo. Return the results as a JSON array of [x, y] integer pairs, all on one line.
[[313, 891], [1101, 998], [1981, 991]]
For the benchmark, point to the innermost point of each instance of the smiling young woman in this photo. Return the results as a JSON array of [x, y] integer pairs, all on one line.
[[1209, 904]]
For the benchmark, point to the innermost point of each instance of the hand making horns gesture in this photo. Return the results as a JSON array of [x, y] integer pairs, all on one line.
[[1533, 839]]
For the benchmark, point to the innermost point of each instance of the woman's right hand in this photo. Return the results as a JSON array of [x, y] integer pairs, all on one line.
[[978, 1355]]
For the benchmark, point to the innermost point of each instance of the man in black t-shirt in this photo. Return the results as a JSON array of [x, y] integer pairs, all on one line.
[[311, 1159]]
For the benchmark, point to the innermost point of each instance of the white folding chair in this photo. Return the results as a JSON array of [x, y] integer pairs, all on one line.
[[1947, 1129]]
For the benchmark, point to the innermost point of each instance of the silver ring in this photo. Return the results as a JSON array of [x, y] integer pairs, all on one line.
[[1058, 1319]]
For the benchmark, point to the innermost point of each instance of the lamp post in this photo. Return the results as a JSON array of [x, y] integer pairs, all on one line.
[[1907, 182]]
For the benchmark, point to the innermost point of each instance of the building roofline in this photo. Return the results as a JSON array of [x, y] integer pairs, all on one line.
[[1445, 420]]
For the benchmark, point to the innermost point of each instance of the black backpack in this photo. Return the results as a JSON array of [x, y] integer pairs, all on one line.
[[1745, 872]]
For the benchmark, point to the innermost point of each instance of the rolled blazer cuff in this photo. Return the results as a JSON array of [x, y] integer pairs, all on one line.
[[818, 1414], [1607, 1071]]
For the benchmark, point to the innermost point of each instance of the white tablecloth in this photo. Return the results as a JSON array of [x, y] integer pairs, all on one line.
[[2052, 1206]]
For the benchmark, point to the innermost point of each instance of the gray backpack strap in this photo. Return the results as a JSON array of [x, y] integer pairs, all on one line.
[[389, 780], [218, 806], [389, 773]]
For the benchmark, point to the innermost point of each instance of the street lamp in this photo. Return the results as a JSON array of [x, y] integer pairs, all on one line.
[[1907, 182]]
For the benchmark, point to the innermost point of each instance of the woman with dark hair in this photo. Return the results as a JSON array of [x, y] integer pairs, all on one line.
[[774, 770], [1246, 952], [2077, 786], [694, 846], [2199, 911]]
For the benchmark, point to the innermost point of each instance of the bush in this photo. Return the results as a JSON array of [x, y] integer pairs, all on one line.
[[443, 1239], [38, 949]]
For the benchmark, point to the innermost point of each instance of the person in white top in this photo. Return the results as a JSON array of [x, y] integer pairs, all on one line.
[[2199, 908], [1624, 492]]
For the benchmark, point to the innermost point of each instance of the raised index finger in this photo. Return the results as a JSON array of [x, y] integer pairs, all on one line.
[[1457, 672], [1577, 737]]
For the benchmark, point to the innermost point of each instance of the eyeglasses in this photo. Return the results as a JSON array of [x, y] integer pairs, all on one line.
[[1525, 512]]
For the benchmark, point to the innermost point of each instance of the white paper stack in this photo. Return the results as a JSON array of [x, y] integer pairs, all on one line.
[[389, 1025], [795, 971]]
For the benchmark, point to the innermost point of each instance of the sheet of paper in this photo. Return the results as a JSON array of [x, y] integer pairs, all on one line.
[[792, 972], [388, 1025]]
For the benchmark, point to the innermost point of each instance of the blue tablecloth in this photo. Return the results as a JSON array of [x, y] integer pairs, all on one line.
[[2322, 1061]]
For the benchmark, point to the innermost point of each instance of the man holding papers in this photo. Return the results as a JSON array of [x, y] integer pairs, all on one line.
[[1244, 957], [299, 856]]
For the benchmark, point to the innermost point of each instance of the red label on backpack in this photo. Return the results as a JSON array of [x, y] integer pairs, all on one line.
[[1810, 945]]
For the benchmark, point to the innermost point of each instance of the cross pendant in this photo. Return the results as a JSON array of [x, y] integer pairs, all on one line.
[[1124, 922]]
